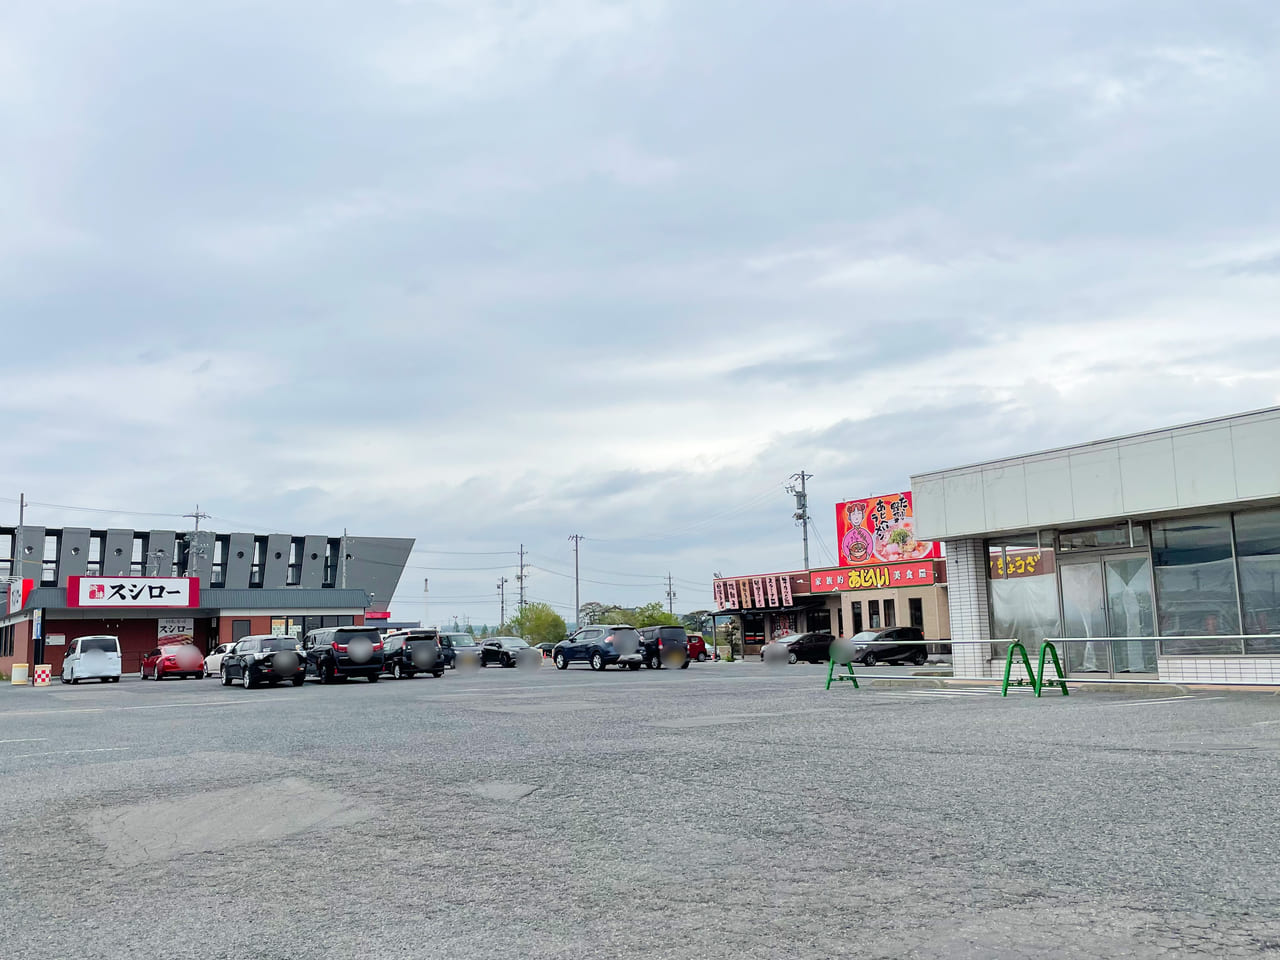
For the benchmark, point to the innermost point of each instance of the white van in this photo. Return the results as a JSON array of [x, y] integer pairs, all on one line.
[[90, 658]]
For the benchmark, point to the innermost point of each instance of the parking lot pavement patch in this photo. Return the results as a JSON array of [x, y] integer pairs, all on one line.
[[502, 790], [165, 829], [552, 706]]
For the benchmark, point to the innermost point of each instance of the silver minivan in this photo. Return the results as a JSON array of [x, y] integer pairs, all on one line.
[[92, 658]]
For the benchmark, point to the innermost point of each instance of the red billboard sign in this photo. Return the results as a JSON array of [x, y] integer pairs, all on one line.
[[880, 530], [879, 576]]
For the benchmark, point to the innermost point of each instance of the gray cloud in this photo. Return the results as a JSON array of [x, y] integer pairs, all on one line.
[[484, 273]]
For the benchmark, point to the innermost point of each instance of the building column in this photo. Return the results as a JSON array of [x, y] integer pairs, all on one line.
[[970, 608]]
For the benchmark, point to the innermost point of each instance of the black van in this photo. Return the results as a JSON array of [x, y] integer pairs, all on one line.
[[335, 653], [663, 646]]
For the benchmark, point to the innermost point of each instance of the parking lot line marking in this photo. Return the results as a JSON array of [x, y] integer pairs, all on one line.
[[58, 753], [1139, 703], [25, 740]]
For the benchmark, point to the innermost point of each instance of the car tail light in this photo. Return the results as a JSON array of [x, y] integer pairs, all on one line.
[[340, 647], [169, 661], [377, 646], [659, 643]]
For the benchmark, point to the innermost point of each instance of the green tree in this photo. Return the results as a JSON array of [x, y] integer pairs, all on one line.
[[653, 615], [538, 623], [697, 621], [591, 612]]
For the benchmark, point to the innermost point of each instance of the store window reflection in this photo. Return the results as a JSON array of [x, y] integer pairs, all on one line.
[[1023, 592], [1258, 553], [1196, 585]]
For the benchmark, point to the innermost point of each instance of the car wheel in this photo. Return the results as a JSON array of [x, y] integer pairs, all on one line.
[[634, 666], [142, 673], [653, 663], [115, 679], [869, 660], [396, 672], [246, 679], [297, 680], [921, 658], [373, 678], [792, 658], [327, 673], [561, 662], [702, 657], [63, 678], [685, 665], [226, 679], [505, 660], [597, 661], [74, 678], [437, 674], [157, 674]]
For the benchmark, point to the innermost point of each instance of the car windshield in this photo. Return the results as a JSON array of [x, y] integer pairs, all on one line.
[[865, 636], [172, 647], [105, 644], [671, 633], [277, 643], [514, 642], [461, 639]]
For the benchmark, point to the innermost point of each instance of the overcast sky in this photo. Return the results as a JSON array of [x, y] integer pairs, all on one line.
[[489, 271]]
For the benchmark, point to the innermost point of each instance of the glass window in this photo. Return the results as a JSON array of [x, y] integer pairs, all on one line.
[[915, 611], [1258, 553], [1195, 584], [890, 615], [1095, 538], [856, 609], [873, 614]]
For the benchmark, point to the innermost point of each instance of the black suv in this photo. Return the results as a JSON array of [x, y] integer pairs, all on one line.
[[600, 645], [339, 652], [263, 659], [664, 645], [410, 652]]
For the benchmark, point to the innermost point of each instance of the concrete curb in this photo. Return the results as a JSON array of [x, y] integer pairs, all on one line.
[[914, 684], [1134, 690]]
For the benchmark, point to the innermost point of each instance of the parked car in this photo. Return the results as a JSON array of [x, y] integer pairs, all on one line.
[[660, 646], [458, 645], [890, 646], [599, 646], [810, 647], [407, 653], [779, 648], [213, 661], [172, 660], [697, 647], [92, 658], [505, 651], [334, 653], [263, 659]]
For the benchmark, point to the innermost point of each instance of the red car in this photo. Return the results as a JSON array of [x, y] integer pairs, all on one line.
[[174, 660], [697, 647]]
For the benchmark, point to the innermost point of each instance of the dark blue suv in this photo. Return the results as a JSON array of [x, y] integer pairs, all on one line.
[[600, 645]]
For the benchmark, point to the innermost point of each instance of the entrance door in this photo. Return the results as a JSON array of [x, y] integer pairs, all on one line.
[[1109, 597]]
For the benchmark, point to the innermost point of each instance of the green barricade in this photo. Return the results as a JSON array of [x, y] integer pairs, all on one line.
[[1036, 678], [833, 677]]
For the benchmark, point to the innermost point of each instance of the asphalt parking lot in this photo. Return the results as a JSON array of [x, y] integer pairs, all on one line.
[[727, 811]]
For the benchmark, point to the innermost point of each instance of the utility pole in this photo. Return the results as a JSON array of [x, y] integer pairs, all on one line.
[[197, 517], [16, 568], [502, 600], [577, 603], [671, 595], [426, 583], [520, 578], [801, 515]]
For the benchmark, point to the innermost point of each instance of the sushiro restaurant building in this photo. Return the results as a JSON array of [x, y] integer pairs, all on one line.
[[886, 578], [1150, 555], [150, 586]]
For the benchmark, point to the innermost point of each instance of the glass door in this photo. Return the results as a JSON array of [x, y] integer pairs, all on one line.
[[1084, 615], [1131, 613], [1107, 597]]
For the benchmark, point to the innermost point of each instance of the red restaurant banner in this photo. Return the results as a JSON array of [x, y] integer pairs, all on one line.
[[881, 576], [880, 530], [771, 587], [718, 590]]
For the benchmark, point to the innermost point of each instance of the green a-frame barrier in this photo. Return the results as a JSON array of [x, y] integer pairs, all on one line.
[[1036, 678], [833, 677]]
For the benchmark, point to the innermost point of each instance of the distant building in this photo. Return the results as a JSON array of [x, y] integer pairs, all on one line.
[[146, 586]]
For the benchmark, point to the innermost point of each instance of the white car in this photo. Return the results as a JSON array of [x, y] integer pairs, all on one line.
[[213, 662], [92, 658]]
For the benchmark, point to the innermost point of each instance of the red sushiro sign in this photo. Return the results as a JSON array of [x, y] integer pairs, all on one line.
[[145, 592]]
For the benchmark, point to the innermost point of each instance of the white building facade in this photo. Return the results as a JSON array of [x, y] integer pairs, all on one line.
[[1151, 555]]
